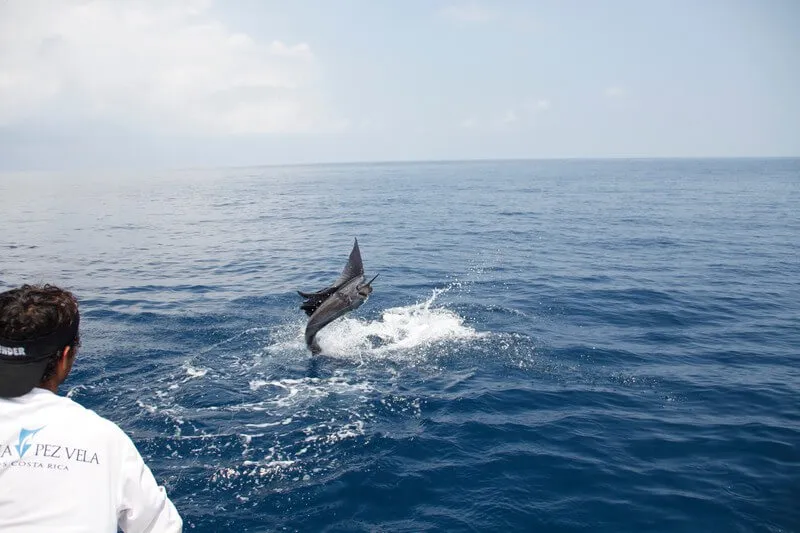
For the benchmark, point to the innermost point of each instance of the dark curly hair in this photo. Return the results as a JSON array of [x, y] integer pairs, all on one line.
[[32, 311]]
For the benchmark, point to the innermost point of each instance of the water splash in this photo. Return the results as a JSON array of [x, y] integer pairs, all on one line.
[[399, 331]]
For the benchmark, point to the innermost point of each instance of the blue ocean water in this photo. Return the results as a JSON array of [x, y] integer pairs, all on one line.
[[551, 345]]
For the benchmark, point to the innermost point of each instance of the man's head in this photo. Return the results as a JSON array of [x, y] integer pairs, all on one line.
[[38, 338]]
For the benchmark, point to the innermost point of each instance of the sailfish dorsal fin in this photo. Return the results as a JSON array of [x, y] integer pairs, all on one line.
[[353, 268]]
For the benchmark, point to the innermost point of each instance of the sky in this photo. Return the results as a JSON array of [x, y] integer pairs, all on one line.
[[194, 83]]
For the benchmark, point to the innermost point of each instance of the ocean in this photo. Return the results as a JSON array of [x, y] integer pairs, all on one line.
[[579, 345]]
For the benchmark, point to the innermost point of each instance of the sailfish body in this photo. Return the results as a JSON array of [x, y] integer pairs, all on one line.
[[346, 294]]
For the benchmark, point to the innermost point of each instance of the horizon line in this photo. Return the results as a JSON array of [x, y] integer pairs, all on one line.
[[176, 168]]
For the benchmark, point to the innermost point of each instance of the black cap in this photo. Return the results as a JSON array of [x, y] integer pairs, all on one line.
[[23, 362]]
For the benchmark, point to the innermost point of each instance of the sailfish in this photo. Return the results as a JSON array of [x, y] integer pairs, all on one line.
[[346, 294]]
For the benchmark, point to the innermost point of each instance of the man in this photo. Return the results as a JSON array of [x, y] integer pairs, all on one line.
[[63, 467]]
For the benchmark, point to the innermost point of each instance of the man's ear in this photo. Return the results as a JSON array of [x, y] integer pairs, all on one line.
[[66, 354], [65, 362]]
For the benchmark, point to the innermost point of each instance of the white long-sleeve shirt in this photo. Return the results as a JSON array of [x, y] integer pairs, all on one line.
[[65, 468]]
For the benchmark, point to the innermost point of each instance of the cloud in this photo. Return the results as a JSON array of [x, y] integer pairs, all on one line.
[[166, 66], [509, 117], [469, 123], [514, 116], [615, 92], [301, 51], [467, 13], [538, 106], [501, 121]]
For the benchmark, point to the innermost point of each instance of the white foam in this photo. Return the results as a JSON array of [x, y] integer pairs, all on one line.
[[399, 330], [325, 434], [75, 390], [193, 372], [264, 425], [149, 408], [290, 393]]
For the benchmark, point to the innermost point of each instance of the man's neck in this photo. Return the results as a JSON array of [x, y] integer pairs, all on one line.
[[50, 385]]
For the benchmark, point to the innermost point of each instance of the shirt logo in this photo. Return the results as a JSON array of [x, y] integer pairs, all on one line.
[[43, 455], [25, 436]]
